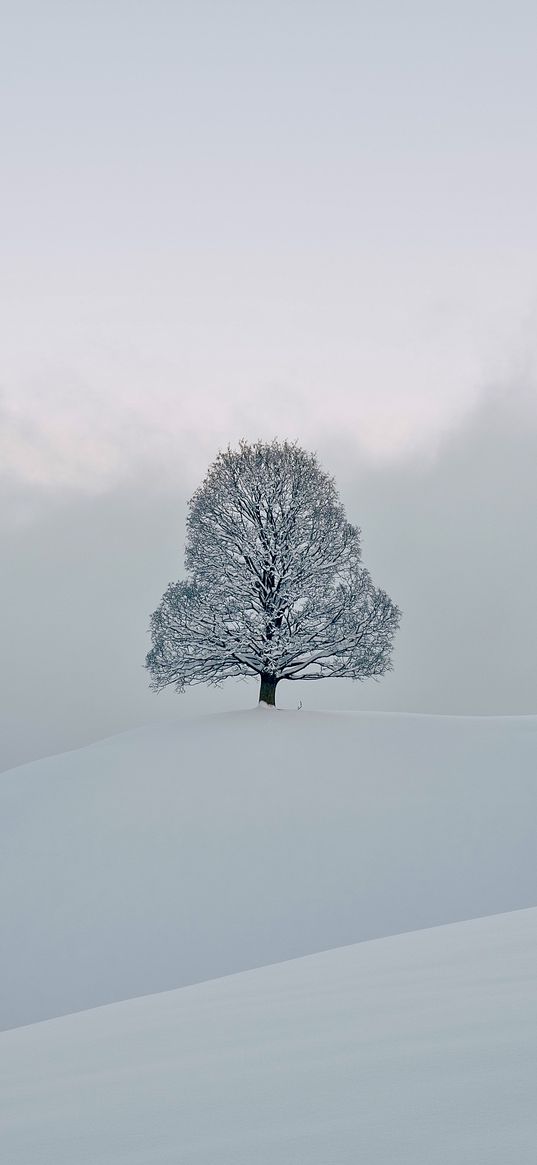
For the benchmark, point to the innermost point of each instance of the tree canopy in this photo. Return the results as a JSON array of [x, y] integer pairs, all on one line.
[[275, 587]]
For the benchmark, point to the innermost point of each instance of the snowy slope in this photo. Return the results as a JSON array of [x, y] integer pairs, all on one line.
[[419, 1049], [175, 854]]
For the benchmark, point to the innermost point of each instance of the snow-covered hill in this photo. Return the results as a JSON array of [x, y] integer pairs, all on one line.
[[418, 1049], [175, 854]]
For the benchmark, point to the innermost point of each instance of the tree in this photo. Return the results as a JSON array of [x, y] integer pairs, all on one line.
[[275, 585]]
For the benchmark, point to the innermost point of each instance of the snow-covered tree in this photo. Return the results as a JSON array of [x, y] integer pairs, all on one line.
[[275, 584]]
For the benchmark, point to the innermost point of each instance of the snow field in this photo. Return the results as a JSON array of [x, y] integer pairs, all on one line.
[[180, 853], [417, 1049]]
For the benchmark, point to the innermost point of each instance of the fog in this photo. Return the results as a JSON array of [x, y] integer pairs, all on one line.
[[225, 219], [450, 536]]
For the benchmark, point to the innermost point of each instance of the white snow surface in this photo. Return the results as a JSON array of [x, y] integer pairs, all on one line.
[[175, 854], [418, 1049]]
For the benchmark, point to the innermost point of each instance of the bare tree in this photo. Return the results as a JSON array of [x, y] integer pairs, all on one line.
[[275, 586]]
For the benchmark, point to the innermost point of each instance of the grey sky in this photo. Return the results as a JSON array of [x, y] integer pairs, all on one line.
[[221, 219]]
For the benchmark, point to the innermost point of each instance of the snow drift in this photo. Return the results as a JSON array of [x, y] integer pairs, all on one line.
[[175, 854], [418, 1049]]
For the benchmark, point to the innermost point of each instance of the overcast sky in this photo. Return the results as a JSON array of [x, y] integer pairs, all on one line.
[[310, 220]]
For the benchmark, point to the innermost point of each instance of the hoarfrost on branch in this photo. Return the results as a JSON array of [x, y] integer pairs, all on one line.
[[275, 584]]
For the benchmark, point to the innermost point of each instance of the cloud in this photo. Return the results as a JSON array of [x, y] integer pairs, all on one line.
[[95, 394], [454, 539]]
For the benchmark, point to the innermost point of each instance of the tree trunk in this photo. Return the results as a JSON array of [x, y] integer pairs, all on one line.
[[267, 691]]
